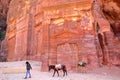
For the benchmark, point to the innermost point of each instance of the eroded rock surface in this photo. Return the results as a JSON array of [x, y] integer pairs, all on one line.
[[62, 31]]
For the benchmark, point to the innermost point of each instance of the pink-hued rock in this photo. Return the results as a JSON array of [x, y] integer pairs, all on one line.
[[60, 31]]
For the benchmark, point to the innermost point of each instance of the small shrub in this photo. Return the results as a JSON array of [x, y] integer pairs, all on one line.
[[2, 35]]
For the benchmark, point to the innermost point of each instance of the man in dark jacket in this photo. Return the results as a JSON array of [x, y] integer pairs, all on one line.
[[28, 67]]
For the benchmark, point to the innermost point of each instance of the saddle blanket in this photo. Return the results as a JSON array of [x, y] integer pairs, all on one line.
[[58, 66]]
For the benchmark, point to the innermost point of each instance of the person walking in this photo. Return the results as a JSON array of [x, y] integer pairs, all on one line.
[[28, 68]]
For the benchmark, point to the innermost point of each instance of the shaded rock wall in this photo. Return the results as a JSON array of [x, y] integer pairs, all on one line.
[[4, 5], [111, 10]]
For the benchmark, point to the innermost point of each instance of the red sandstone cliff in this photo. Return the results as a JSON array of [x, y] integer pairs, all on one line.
[[29, 35]]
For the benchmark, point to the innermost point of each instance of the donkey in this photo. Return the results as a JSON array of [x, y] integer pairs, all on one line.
[[58, 67]]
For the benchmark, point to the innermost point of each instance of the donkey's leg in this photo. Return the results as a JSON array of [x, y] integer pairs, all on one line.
[[66, 72], [57, 72], [54, 73], [63, 72]]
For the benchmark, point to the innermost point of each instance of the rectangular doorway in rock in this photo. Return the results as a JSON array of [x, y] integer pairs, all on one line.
[[67, 53]]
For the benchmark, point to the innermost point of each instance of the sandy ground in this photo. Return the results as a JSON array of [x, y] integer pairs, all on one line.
[[103, 73]]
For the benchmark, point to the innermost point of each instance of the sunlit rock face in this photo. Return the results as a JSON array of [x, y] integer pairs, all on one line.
[[61, 31]]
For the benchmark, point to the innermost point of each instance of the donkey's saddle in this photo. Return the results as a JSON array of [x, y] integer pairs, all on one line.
[[58, 66]]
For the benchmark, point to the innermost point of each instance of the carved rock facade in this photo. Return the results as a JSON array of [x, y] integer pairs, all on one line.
[[60, 31]]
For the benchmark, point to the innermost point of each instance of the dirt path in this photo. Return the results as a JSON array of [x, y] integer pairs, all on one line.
[[103, 73]]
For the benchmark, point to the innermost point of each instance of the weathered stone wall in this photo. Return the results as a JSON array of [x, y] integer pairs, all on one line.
[[109, 33], [3, 51], [17, 31], [60, 31], [4, 4]]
